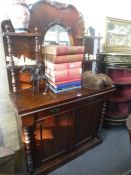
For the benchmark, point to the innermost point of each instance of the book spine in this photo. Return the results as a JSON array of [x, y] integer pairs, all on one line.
[[67, 73], [64, 90], [57, 73], [57, 79], [70, 50], [60, 80], [65, 58], [74, 72], [77, 64], [52, 66], [66, 85], [63, 50], [63, 66]]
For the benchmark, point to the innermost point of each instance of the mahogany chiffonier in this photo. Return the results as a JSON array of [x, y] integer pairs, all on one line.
[[53, 128]]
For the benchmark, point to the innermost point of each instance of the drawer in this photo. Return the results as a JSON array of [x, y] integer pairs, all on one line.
[[68, 106], [53, 112]]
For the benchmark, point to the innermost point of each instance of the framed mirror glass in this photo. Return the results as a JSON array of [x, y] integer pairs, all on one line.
[[56, 35]]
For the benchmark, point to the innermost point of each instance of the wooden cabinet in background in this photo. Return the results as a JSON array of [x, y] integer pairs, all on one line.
[[118, 67], [92, 44], [91, 48]]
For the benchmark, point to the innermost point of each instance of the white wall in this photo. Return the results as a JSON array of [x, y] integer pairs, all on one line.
[[94, 14], [8, 128]]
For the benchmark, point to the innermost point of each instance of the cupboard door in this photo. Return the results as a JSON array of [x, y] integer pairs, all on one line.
[[51, 137], [87, 120]]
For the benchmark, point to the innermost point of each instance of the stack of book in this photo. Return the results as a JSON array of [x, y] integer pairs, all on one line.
[[63, 67]]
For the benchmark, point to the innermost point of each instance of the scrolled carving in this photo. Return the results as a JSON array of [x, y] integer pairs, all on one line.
[[56, 4], [47, 13]]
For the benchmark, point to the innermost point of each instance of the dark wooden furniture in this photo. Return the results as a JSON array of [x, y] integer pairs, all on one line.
[[44, 15], [118, 67], [89, 42], [17, 80], [56, 128], [53, 129], [91, 47]]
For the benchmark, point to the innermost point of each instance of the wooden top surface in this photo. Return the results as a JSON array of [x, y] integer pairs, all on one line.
[[27, 103]]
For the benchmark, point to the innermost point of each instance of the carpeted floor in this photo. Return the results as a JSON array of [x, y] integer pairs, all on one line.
[[112, 157]]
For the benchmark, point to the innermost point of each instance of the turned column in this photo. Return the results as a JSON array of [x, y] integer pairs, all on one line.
[[11, 61]]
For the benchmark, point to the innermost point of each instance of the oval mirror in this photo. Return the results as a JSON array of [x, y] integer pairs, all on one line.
[[56, 35]]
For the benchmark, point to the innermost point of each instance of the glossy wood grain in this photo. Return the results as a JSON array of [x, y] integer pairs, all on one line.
[[58, 127], [25, 102]]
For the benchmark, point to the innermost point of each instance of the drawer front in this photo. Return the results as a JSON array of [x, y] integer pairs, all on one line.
[[56, 110]]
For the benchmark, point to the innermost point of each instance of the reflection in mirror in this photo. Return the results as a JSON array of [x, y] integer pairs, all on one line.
[[56, 35]]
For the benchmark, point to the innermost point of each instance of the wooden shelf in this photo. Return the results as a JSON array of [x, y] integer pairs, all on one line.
[[19, 67], [21, 34]]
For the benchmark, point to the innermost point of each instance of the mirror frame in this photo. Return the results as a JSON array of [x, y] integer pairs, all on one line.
[[45, 14]]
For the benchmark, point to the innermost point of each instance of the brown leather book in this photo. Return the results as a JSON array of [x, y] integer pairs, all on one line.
[[63, 66], [63, 58], [63, 50]]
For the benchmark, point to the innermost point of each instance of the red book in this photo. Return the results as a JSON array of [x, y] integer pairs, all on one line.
[[62, 79], [64, 73], [63, 66], [64, 58], [60, 76], [57, 73], [63, 50]]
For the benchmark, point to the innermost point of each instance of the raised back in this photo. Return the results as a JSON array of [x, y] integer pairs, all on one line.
[[44, 15]]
